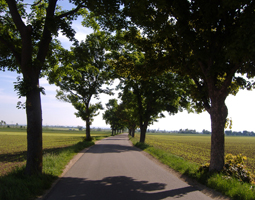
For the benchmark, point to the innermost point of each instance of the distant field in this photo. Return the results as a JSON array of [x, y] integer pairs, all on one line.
[[13, 144], [196, 148]]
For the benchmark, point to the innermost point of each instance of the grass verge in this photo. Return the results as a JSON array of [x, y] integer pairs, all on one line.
[[17, 186], [229, 187]]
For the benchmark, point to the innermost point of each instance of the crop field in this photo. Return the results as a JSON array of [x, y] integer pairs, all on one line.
[[196, 148], [13, 144]]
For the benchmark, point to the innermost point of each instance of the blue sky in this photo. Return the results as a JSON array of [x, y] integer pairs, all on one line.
[[240, 107]]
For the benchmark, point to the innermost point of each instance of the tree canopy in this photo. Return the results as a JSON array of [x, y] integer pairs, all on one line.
[[112, 116], [81, 76], [152, 93]]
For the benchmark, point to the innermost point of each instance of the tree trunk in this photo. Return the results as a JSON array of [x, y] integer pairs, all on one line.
[[143, 128], [88, 137], [34, 130], [129, 131], [218, 114], [133, 130]]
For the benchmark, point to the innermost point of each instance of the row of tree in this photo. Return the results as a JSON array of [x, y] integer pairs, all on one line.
[[240, 133], [168, 55], [205, 44]]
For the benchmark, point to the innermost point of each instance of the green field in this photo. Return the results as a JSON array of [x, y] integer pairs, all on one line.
[[13, 144], [196, 148]]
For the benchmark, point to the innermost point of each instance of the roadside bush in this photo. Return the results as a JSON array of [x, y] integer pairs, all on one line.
[[234, 168]]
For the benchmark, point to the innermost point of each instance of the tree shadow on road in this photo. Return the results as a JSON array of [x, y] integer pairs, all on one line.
[[113, 188], [111, 148]]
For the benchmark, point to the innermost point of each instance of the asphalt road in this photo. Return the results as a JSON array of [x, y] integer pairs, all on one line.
[[114, 170]]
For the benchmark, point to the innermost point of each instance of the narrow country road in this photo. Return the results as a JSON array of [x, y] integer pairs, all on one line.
[[114, 170]]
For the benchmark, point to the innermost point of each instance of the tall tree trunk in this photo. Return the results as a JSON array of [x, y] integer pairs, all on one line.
[[133, 132], [31, 87], [34, 129], [129, 131], [218, 114], [143, 128], [88, 136]]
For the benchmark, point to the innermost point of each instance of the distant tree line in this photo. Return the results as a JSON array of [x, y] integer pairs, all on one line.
[[239, 133], [191, 131], [188, 131]]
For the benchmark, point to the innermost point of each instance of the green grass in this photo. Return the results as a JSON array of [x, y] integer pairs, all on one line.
[[59, 149], [230, 187]]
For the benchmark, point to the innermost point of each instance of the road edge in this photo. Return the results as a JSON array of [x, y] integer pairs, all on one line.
[[67, 167], [192, 182]]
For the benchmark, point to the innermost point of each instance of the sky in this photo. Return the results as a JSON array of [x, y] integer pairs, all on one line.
[[240, 107]]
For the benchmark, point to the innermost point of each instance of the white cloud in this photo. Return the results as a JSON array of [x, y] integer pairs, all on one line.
[[81, 32]]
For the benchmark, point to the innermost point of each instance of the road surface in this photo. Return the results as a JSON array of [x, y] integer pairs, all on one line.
[[114, 170]]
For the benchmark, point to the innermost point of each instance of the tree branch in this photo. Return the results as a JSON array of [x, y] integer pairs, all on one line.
[[228, 79], [46, 37], [71, 12], [200, 88], [35, 4], [16, 16]]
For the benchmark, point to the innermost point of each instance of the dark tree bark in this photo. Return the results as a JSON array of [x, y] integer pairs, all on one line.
[[218, 114], [133, 132], [34, 131], [88, 136], [143, 129]]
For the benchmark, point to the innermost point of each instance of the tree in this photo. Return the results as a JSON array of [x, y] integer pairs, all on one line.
[[211, 43], [28, 47], [152, 92], [129, 112], [155, 95], [26, 40], [112, 115], [2, 122], [81, 76]]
